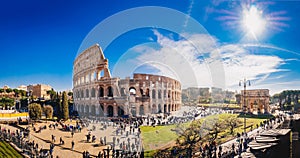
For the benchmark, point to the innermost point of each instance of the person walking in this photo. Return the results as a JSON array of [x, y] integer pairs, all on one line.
[[72, 133], [73, 144]]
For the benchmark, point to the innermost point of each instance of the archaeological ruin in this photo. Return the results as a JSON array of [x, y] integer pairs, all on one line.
[[97, 93]]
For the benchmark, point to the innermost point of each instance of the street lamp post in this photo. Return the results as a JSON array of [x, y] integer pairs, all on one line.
[[244, 82]]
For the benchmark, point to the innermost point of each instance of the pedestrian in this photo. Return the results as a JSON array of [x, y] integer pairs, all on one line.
[[60, 140], [72, 133], [84, 155], [73, 144]]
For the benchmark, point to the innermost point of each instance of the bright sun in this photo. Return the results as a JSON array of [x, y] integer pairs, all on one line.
[[253, 22]]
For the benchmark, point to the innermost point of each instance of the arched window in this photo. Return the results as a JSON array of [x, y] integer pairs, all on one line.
[[110, 91], [132, 91], [142, 92], [142, 110], [82, 96], [153, 94], [87, 93], [147, 92], [159, 94], [101, 92], [123, 92], [93, 92]]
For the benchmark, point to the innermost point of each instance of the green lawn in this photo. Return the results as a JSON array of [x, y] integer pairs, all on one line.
[[158, 136], [161, 136], [7, 151], [220, 105]]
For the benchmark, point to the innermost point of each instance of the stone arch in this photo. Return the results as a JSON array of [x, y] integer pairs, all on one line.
[[154, 109], [142, 92], [120, 111], [110, 111], [142, 110], [133, 111], [82, 109], [87, 109], [87, 93], [101, 92], [93, 110], [159, 108], [147, 92], [153, 94], [132, 91], [122, 90], [82, 94], [159, 94], [165, 108], [110, 91], [93, 93], [101, 110]]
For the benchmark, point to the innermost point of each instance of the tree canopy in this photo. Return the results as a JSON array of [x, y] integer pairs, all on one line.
[[65, 106], [35, 111], [48, 110]]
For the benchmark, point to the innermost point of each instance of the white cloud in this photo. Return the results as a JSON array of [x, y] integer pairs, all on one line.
[[194, 58]]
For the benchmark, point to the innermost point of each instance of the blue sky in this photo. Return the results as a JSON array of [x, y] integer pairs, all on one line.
[[208, 46]]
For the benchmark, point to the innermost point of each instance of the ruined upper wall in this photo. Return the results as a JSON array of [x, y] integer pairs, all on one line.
[[149, 77]]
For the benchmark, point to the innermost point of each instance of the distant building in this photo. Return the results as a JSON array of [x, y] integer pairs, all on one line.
[[217, 95], [22, 87], [257, 100], [7, 94], [39, 90]]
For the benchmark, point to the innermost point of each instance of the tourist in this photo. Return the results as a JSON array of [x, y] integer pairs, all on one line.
[[84, 155], [53, 138], [72, 143], [72, 133], [93, 138]]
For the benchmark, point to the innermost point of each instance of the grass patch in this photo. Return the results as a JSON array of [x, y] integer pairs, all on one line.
[[6, 150], [222, 105], [155, 138]]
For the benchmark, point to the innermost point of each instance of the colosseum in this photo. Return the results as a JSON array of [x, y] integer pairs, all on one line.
[[96, 93]]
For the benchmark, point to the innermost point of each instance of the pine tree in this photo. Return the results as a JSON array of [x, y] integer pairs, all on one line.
[[65, 106], [58, 106]]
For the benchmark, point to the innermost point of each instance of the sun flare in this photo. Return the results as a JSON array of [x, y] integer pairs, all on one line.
[[253, 21]]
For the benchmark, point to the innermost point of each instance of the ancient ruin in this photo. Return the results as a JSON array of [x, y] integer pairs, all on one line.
[[97, 93]]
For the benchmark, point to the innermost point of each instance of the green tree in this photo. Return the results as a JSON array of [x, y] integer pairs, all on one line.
[[7, 102], [35, 111], [8, 90], [65, 106], [58, 106], [48, 110], [232, 122], [52, 94], [1, 90], [189, 137], [212, 127], [70, 94], [17, 92]]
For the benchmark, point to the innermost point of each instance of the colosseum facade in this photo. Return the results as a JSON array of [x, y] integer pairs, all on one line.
[[97, 93]]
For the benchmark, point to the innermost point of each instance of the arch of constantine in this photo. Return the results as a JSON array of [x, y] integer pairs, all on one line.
[[257, 100], [96, 93]]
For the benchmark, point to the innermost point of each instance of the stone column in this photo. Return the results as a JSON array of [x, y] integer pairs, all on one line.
[[105, 109], [97, 109], [137, 108], [115, 109]]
